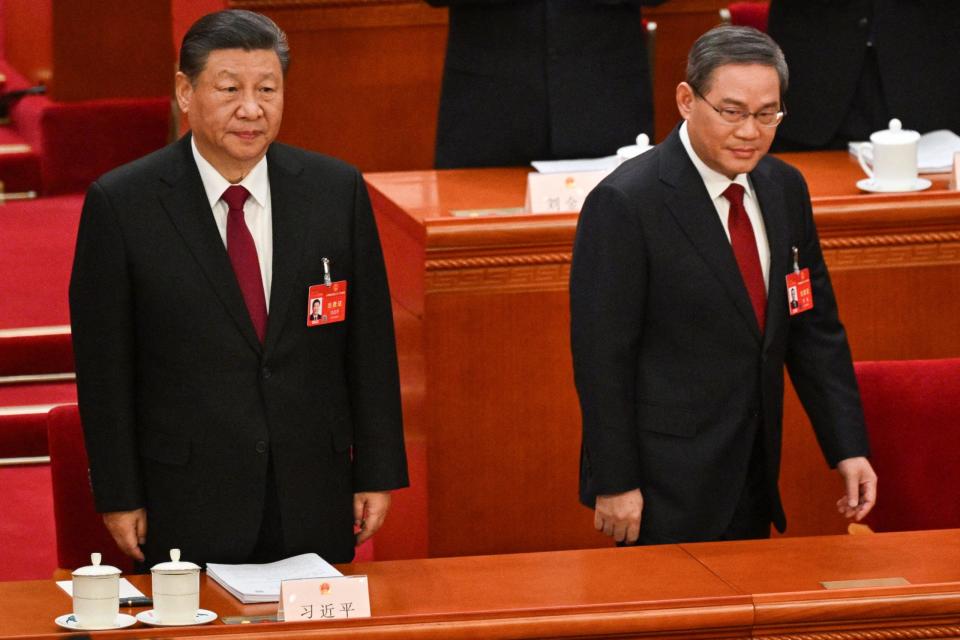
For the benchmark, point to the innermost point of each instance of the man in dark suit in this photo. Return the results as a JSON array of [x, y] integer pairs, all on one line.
[[681, 323], [211, 410], [541, 79], [855, 64]]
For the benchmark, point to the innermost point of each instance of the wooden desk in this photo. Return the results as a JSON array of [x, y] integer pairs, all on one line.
[[483, 326], [712, 590]]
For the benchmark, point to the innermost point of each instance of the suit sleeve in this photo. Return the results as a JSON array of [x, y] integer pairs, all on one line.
[[607, 298], [379, 461], [818, 358], [101, 310]]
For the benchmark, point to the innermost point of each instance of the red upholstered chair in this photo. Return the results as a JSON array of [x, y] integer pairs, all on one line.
[[79, 529], [746, 14], [912, 410]]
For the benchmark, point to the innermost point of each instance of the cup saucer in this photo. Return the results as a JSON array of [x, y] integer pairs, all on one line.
[[873, 186], [150, 617], [69, 621]]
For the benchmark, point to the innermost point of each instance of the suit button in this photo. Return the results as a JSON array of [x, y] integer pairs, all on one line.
[[266, 373], [862, 23], [261, 446]]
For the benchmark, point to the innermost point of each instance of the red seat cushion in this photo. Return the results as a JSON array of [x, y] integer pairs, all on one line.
[[750, 14], [80, 529], [913, 418]]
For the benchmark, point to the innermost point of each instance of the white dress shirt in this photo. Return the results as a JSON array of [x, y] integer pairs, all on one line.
[[716, 183], [257, 212]]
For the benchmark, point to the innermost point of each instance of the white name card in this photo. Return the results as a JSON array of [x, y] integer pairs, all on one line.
[[324, 599], [560, 192]]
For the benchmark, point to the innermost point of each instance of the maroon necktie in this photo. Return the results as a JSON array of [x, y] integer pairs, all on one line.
[[745, 249], [243, 257]]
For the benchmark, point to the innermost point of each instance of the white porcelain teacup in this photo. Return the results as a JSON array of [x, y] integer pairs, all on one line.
[[96, 594], [893, 155], [176, 590]]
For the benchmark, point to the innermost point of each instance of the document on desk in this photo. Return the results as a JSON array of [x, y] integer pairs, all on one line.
[[127, 590], [607, 163], [250, 583]]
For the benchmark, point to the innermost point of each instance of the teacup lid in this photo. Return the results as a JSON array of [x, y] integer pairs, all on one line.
[[896, 134], [633, 150], [96, 569], [175, 563]]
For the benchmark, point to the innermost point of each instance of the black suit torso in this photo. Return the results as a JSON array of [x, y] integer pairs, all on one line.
[[674, 376], [539, 79], [825, 42], [180, 402]]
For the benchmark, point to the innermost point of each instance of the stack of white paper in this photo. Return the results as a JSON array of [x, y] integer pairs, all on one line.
[[607, 163], [935, 151], [251, 583]]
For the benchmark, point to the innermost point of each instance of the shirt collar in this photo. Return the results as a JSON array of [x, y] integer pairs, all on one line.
[[256, 182], [715, 182]]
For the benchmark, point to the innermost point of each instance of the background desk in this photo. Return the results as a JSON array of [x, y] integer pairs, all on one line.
[[711, 590], [483, 327]]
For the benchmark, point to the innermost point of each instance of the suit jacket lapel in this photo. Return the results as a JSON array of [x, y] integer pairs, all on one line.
[[690, 205], [186, 204], [290, 203], [774, 211]]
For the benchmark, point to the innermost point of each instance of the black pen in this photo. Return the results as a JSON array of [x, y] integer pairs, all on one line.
[[139, 601]]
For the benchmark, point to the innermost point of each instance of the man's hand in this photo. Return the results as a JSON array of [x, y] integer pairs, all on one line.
[[861, 486], [369, 512], [129, 530], [618, 515]]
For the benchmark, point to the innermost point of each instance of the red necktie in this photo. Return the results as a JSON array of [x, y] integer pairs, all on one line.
[[745, 249], [243, 257]]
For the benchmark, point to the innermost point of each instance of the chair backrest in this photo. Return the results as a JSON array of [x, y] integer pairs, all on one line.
[[80, 530], [747, 14], [912, 410]]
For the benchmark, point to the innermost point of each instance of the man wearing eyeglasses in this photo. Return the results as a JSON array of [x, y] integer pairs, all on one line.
[[681, 322]]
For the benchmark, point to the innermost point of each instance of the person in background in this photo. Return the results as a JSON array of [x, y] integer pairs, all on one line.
[[542, 79], [855, 64]]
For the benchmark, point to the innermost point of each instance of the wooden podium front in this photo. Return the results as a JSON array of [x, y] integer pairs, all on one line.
[[483, 326], [758, 588]]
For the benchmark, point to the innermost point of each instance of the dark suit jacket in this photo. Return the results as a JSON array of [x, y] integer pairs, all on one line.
[[539, 79], [825, 42], [673, 374], [182, 406]]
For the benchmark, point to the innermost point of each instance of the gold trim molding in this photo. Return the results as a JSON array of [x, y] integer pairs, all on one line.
[[910, 633]]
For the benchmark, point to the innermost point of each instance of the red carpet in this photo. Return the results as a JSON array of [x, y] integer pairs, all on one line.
[[28, 547], [36, 252]]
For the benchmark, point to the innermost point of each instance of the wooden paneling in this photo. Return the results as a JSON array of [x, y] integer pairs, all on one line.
[[88, 49], [500, 415], [111, 49], [679, 24], [28, 42], [724, 590], [364, 78]]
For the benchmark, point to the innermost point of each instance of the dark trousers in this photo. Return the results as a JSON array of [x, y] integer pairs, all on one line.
[[751, 518]]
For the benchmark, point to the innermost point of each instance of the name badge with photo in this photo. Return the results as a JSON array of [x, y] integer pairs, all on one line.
[[799, 292], [327, 303]]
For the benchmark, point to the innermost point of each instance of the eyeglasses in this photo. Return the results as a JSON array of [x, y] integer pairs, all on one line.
[[732, 115]]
